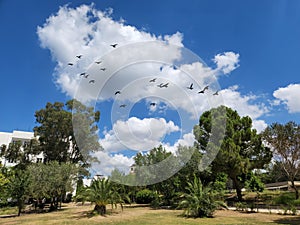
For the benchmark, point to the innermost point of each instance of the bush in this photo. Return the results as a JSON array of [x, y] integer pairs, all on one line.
[[199, 201], [254, 184], [157, 201], [284, 199], [145, 196], [297, 202], [241, 206]]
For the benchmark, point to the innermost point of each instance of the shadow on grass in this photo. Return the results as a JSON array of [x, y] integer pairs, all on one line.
[[294, 220], [92, 213], [84, 214], [8, 216]]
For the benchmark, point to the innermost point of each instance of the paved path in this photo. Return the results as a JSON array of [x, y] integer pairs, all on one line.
[[271, 211]]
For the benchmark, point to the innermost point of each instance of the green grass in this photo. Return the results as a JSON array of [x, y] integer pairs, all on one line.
[[78, 215], [8, 210]]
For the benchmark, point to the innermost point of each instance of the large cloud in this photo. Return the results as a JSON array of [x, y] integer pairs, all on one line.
[[244, 105], [109, 162], [289, 96], [89, 32], [137, 134]]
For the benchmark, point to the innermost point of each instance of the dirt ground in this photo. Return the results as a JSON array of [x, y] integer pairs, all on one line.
[[77, 214]]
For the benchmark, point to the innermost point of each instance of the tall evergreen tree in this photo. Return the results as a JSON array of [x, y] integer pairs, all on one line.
[[241, 149], [67, 132]]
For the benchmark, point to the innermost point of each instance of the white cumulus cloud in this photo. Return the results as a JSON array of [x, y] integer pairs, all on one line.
[[227, 61], [109, 162], [244, 105], [137, 134], [289, 96]]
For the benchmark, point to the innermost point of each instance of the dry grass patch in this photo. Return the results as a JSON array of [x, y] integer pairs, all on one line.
[[78, 215]]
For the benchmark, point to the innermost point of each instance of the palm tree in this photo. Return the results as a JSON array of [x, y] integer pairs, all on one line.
[[102, 192], [199, 201]]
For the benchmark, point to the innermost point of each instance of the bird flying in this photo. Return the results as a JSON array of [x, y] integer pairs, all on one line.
[[165, 85], [117, 92], [152, 104], [78, 56], [153, 80], [191, 87], [70, 64], [103, 69], [114, 45], [216, 93], [98, 62], [122, 106], [92, 81], [203, 90]]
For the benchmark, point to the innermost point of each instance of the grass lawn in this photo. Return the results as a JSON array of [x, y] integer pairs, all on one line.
[[78, 215]]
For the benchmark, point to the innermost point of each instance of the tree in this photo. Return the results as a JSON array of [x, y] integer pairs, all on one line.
[[190, 167], [20, 153], [52, 180], [274, 173], [241, 149], [18, 187], [285, 142], [4, 185], [199, 201], [166, 188], [67, 132], [254, 183], [103, 192]]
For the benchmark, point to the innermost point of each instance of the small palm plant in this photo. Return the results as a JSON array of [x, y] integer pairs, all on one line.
[[102, 192], [199, 200]]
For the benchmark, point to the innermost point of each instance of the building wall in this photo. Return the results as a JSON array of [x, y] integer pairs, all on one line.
[[6, 138]]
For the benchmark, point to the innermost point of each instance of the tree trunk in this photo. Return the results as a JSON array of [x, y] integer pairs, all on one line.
[[60, 202], [238, 188], [19, 210], [296, 190], [20, 205], [101, 209]]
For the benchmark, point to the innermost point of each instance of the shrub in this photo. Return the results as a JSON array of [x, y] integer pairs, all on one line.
[[241, 206], [145, 196], [284, 199], [254, 184], [199, 201]]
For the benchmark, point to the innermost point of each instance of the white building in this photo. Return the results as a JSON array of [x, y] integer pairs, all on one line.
[[6, 138]]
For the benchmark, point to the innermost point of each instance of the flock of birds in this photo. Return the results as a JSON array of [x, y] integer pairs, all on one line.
[[161, 85]]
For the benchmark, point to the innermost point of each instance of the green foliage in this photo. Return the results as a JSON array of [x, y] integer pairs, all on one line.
[[220, 183], [274, 173], [103, 192], [20, 153], [284, 138], [18, 187], [4, 185], [284, 199], [241, 206], [59, 124], [253, 183], [51, 180], [145, 196], [199, 201], [241, 150]]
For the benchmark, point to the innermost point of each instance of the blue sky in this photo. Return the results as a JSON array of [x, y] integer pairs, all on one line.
[[253, 49]]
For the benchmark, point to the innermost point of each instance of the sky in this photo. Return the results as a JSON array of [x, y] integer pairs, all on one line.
[[247, 51]]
